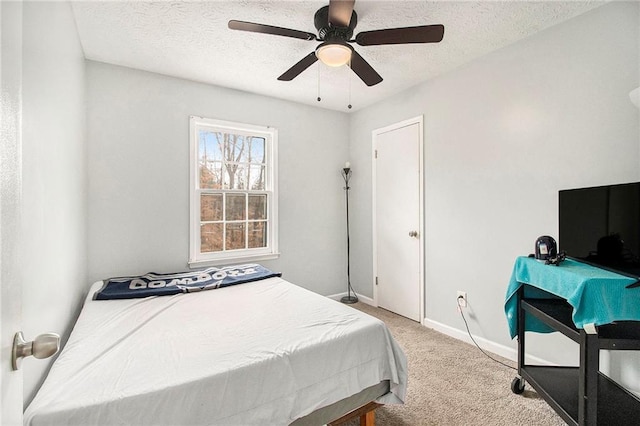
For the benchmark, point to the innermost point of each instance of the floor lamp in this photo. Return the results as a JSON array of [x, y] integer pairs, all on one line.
[[346, 175]]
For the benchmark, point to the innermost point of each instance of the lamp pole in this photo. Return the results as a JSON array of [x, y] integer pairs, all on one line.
[[346, 175]]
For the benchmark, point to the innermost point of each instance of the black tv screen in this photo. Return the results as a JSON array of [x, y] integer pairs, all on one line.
[[601, 226]]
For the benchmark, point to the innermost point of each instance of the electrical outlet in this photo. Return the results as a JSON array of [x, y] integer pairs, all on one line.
[[462, 298]]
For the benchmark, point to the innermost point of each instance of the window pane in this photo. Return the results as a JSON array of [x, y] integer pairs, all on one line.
[[235, 147], [210, 207], [235, 236], [257, 234], [210, 145], [210, 174], [235, 207], [255, 150], [257, 207], [257, 178], [235, 176], [211, 237]]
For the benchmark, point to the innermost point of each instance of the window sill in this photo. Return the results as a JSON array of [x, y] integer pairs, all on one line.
[[232, 260]]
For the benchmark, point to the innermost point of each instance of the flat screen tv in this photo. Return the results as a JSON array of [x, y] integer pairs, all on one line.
[[601, 226]]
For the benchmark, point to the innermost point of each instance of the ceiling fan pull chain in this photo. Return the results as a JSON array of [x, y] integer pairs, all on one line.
[[318, 68], [349, 106]]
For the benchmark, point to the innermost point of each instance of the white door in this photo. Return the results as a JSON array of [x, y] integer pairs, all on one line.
[[10, 187], [398, 218]]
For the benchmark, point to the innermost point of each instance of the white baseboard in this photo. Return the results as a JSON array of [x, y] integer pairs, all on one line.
[[487, 345]]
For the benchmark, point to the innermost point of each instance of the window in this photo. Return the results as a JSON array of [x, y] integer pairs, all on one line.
[[233, 192]]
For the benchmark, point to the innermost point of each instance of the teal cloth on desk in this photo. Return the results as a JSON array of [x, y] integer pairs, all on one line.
[[597, 296]]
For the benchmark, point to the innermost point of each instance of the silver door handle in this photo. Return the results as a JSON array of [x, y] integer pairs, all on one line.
[[43, 346], [413, 234]]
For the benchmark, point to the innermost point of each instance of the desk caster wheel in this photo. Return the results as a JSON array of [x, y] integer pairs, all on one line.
[[517, 385]]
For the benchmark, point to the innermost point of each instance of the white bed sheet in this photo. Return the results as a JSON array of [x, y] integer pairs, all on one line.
[[266, 352]]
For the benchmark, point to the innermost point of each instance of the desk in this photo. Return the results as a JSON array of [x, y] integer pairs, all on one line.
[[596, 296], [594, 308]]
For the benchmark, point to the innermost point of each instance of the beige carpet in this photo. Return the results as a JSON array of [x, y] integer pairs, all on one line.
[[453, 383]]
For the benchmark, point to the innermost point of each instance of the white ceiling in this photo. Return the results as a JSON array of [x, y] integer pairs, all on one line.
[[191, 40]]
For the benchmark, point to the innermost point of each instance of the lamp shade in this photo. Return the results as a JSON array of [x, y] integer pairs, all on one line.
[[334, 54]]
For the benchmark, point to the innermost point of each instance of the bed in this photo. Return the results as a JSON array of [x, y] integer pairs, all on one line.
[[264, 352]]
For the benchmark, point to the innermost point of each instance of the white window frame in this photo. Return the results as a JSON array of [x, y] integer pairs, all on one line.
[[270, 135]]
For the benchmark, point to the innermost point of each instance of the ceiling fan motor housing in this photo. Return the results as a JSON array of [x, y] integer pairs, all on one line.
[[328, 32]]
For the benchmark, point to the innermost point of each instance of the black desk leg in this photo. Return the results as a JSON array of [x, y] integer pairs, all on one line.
[[588, 384], [517, 385], [521, 315]]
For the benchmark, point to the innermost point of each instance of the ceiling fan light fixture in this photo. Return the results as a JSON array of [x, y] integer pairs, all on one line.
[[334, 54]]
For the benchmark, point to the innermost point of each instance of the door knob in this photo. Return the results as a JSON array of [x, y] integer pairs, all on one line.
[[413, 234], [43, 346]]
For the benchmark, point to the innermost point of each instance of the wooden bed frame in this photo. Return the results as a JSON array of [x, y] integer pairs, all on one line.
[[366, 413]]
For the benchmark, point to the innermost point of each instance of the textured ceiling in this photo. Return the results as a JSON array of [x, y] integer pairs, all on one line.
[[191, 40]]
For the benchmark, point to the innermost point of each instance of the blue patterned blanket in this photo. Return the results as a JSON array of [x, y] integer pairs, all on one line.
[[154, 284]]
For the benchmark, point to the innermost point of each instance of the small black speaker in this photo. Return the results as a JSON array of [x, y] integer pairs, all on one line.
[[546, 248]]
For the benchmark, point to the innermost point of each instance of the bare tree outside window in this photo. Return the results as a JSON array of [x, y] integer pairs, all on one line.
[[233, 202]]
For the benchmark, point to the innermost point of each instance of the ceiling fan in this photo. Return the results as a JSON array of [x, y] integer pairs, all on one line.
[[335, 24]]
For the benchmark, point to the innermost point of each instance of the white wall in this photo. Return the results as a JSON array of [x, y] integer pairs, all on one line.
[[53, 176], [139, 175], [502, 135]]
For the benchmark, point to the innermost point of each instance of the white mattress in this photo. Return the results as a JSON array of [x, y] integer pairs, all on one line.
[[265, 352]]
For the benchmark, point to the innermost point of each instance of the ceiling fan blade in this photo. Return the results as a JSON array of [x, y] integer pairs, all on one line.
[[364, 70], [340, 12], [420, 34], [269, 29], [302, 65]]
